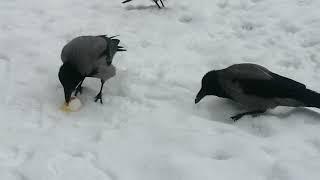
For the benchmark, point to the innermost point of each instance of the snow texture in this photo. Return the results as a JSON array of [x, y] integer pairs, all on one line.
[[148, 127]]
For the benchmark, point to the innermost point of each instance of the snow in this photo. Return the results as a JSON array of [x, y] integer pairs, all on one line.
[[148, 127]]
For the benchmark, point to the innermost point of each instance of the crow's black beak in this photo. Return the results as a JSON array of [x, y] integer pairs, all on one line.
[[199, 96], [120, 48], [67, 95], [197, 99]]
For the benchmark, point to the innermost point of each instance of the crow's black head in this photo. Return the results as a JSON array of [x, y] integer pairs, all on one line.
[[112, 47], [209, 86], [69, 78]]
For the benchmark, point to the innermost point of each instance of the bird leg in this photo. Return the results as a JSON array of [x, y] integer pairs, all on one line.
[[239, 116], [99, 95], [156, 1], [162, 3], [79, 88]]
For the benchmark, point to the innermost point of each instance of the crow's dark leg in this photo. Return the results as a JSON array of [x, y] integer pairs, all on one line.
[[156, 1], [239, 116], [99, 95], [79, 88], [162, 3]]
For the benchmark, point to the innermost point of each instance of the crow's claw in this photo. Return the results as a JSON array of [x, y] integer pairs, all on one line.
[[98, 97], [252, 113], [236, 117]]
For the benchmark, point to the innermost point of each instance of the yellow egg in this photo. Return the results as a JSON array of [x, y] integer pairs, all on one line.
[[73, 106]]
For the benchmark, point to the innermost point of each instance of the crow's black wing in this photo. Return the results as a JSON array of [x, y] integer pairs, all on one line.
[[277, 86], [126, 1]]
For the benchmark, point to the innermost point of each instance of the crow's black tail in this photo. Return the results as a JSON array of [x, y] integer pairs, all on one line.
[[126, 1], [310, 98]]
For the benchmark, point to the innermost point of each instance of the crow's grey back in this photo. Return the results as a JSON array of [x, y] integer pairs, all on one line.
[[247, 71], [83, 52]]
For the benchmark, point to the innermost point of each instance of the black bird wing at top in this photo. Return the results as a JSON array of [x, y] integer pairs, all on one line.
[[126, 1], [257, 80]]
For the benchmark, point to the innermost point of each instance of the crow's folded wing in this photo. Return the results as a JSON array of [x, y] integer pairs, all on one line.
[[276, 87], [84, 52], [253, 79]]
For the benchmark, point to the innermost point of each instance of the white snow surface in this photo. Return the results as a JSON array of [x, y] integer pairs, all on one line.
[[149, 127]]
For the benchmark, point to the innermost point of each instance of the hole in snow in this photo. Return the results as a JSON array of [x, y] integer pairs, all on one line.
[[221, 155], [247, 26], [185, 19]]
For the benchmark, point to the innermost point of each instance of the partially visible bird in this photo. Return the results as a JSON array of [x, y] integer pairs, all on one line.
[[256, 88], [87, 56], [155, 1]]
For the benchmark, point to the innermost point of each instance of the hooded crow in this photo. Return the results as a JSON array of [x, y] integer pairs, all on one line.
[[256, 88], [87, 56], [155, 1]]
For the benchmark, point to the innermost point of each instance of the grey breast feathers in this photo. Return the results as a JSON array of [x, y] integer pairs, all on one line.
[[83, 52], [103, 71]]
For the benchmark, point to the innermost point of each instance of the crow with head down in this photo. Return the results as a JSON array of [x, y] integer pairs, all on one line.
[[256, 88], [87, 56]]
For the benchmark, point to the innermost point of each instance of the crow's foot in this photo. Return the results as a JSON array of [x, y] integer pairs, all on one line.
[[237, 117], [98, 97]]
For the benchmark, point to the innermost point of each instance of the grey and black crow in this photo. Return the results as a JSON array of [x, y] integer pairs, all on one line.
[[87, 56], [256, 88], [155, 1]]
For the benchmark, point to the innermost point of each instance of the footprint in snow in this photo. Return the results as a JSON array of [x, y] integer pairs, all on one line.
[[12, 175], [4, 67], [185, 19], [289, 27], [310, 42], [304, 2], [269, 150], [247, 26], [145, 44], [4, 57], [40, 70], [279, 171], [291, 63], [64, 165], [10, 157], [221, 155], [223, 4], [315, 143], [256, 1]]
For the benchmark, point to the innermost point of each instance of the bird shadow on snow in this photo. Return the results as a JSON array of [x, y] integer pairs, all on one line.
[[223, 110], [296, 111], [219, 110]]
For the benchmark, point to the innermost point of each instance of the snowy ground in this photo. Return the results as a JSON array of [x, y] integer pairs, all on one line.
[[149, 127]]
